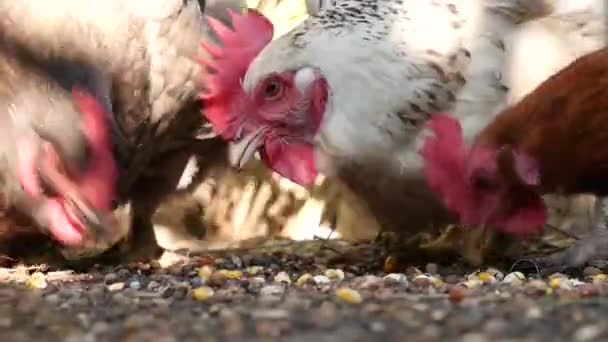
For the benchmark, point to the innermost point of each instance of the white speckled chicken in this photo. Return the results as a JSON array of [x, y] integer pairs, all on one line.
[[347, 92]]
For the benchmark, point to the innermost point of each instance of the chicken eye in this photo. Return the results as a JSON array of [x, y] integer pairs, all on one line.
[[273, 89]]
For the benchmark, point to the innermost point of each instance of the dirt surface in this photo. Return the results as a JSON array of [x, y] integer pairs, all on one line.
[[281, 296]]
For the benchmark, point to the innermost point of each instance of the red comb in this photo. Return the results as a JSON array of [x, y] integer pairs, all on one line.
[[98, 181], [444, 155], [229, 64]]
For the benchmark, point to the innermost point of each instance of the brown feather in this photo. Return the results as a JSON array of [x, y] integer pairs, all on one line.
[[563, 124]]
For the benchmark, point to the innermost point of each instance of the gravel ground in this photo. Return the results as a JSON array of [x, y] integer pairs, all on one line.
[[279, 296]]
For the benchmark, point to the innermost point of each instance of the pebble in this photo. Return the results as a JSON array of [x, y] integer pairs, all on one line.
[[472, 283], [587, 333], [216, 280], [486, 277], [369, 282], [334, 274], [111, 278], [377, 327], [254, 270], [257, 281], [282, 277], [395, 279], [457, 294], [195, 282], [136, 285], [202, 293], [422, 280], [272, 290], [116, 287], [321, 280], [588, 290], [349, 295], [205, 271], [536, 287], [303, 279], [497, 274], [230, 274], [514, 279]]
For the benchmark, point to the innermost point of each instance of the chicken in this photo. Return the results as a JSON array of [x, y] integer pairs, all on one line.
[[56, 162], [549, 142], [146, 49], [348, 91]]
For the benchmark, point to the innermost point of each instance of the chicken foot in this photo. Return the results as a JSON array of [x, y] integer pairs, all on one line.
[[590, 248]]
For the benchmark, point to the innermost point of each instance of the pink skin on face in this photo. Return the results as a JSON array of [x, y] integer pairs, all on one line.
[[469, 183], [96, 183], [288, 117]]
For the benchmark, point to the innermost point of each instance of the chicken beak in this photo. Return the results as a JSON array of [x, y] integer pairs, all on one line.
[[78, 204], [242, 151]]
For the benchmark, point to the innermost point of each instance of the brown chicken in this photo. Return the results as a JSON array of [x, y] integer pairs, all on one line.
[[56, 161], [552, 141]]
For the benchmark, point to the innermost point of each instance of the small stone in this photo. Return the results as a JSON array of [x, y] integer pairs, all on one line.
[[282, 277], [472, 283], [110, 278], [536, 287], [588, 333], [514, 278], [377, 327], [36, 281], [116, 287], [136, 285], [254, 270], [303, 279], [216, 280], [205, 271], [257, 281], [349, 295], [486, 277], [236, 261], [202, 293], [457, 294], [412, 272], [421, 280], [230, 274], [588, 290], [599, 278], [436, 282], [272, 290], [321, 280], [497, 274], [395, 279], [334, 274], [196, 282], [369, 282]]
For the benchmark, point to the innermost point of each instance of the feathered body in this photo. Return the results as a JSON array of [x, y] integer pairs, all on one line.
[[348, 91], [56, 159], [552, 141], [145, 50]]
